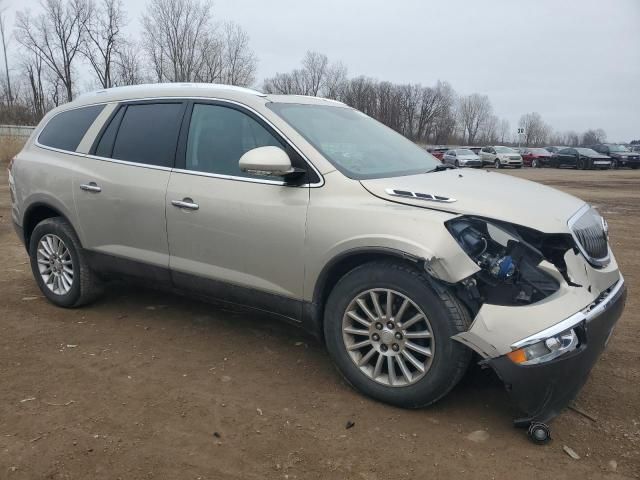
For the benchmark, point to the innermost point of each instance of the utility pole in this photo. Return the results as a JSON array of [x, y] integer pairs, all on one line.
[[6, 63]]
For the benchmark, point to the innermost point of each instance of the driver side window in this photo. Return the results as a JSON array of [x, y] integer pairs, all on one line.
[[219, 136]]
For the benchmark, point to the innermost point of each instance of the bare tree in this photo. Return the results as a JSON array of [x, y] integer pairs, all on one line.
[[239, 63], [591, 136], [473, 110], [128, 69], [536, 131], [9, 95], [334, 81], [503, 130], [57, 35], [176, 34], [103, 30], [33, 67]]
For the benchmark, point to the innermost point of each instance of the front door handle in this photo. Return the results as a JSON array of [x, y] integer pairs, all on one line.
[[91, 187], [186, 203]]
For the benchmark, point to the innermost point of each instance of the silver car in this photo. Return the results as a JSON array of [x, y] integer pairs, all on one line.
[[312, 211], [462, 157]]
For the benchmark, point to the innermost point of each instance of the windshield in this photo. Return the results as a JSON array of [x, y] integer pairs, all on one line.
[[587, 151], [618, 148], [504, 150], [357, 145], [464, 151], [539, 151]]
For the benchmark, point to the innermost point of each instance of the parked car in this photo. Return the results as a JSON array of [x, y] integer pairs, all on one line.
[[308, 209], [554, 149], [500, 157], [536, 157], [620, 155], [438, 152], [580, 158], [462, 157]]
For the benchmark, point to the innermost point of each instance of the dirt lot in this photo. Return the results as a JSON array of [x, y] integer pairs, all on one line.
[[145, 385]]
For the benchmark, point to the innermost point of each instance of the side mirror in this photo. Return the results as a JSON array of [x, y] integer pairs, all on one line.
[[266, 161]]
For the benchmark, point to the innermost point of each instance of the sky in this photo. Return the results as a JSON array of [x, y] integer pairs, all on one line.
[[576, 62]]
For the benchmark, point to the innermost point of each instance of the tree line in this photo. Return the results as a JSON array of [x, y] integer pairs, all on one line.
[[182, 41]]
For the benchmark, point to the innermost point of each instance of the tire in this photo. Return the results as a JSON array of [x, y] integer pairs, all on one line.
[[457, 164], [496, 164], [443, 314], [535, 164], [614, 164], [84, 286]]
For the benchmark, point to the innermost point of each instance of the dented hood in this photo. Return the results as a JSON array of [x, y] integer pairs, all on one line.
[[486, 194]]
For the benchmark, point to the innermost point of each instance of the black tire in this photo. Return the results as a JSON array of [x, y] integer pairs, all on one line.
[[497, 164], [614, 164], [535, 163], [85, 286], [457, 164], [446, 316], [580, 164]]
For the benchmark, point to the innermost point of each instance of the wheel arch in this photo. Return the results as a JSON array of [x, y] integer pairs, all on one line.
[[37, 212], [335, 269]]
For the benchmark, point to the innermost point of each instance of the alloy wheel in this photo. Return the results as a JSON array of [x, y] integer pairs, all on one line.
[[388, 337], [55, 264]]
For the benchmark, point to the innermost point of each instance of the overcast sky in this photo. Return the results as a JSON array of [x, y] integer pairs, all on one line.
[[576, 62]]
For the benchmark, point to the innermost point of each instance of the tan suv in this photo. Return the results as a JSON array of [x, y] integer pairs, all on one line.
[[303, 207]]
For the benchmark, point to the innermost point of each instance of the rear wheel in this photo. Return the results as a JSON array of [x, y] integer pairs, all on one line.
[[389, 333], [59, 265]]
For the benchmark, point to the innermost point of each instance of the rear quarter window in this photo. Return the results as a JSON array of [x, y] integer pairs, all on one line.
[[66, 129]]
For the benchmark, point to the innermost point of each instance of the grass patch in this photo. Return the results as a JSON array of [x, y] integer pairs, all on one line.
[[9, 147]]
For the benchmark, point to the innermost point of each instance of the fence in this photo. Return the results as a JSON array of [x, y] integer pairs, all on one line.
[[16, 131]]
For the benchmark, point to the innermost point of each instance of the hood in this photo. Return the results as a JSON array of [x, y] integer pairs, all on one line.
[[468, 157], [624, 154], [486, 194], [595, 155]]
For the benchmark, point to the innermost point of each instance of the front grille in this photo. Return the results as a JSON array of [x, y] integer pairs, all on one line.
[[588, 229], [514, 157]]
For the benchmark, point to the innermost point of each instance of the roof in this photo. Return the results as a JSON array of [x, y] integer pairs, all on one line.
[[203, 90]]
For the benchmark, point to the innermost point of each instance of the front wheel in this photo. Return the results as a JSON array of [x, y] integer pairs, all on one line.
[[59, 264], [497, 163], [389, 333], [534, 163]]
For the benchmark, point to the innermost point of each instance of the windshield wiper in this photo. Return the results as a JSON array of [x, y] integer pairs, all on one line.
[[442, 167]]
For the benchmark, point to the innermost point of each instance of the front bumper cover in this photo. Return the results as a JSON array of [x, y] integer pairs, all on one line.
[[541, 391]]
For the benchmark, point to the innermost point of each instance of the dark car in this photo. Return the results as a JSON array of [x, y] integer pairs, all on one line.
[[580, 158], [620, 155], [536, 157]]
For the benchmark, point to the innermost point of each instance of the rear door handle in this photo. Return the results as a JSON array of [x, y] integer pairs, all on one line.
[[186, 203], [91, 187]]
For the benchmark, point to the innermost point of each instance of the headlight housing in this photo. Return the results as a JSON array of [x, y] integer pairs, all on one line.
[[546, 350], [509, 273]]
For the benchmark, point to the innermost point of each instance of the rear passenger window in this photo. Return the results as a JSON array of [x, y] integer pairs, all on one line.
[[219, 136], [66, 129], [147, 133]]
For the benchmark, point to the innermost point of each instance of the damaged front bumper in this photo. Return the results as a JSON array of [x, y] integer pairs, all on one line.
[[542, 390]]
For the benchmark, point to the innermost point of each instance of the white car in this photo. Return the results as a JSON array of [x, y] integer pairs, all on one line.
[[500, 157], [462, 157]]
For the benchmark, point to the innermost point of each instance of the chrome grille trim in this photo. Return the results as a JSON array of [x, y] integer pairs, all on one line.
[[589, 232]]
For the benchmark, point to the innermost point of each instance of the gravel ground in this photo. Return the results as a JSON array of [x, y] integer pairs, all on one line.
[[147, 385]]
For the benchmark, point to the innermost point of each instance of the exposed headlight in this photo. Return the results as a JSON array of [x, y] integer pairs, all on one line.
[[546, 350]]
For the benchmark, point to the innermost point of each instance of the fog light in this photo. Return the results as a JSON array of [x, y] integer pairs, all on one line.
[[547, 350]]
